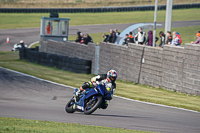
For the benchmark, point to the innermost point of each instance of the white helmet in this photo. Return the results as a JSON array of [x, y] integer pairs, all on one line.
[[112, 75], [21, 41]]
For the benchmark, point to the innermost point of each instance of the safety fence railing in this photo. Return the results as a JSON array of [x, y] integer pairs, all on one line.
[[95, 9]]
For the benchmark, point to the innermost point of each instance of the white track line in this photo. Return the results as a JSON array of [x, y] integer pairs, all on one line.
[[114, 95], [33, 44]]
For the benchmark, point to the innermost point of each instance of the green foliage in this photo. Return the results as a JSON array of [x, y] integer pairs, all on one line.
[[30, 20], [35, 45]]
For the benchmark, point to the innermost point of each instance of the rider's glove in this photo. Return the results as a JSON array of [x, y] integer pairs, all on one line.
[[85, 85], [94, 83]]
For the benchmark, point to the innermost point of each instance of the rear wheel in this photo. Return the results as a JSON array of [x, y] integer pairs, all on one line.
[[69, 106], [92, 104]]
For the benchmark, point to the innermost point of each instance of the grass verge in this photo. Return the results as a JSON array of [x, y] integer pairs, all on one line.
[[31, 20], [188, 34], [15, 125], [126, 89], [35, 45]]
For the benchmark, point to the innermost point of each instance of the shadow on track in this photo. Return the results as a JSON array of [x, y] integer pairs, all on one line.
[[120, 116]]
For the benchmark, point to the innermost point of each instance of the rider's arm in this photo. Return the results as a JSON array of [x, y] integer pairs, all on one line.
[[87, 85], [113, 89], [99, 77]]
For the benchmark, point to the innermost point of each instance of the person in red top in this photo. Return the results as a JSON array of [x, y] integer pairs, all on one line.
[[49, 28], [178, 35]]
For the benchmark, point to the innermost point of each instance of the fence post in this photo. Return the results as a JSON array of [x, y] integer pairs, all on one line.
[[96, 67]]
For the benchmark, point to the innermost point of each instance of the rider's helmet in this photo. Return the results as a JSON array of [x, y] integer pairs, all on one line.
[[21, 41], [111, 75]]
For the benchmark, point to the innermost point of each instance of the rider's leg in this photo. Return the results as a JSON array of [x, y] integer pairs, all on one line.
[[83, 87]]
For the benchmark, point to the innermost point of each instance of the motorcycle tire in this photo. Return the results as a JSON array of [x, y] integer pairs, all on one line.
[[97, 104], [69, 108]]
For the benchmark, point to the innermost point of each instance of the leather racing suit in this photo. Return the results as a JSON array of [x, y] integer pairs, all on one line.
[[104, 80]]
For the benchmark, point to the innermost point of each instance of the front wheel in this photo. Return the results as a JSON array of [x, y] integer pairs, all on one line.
[[92, 104], [69, 106]]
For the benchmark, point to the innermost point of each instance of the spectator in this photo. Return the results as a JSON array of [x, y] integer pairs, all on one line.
[[78, 39], [198, 38], [175, 40], [49, 28], [162, 39], [112, 37], [178, 35], [116, 32], [131, 37], [87, 39], [149, 40], [126, 40], [169, 38], [82, 37], [140, 36], [105, 37]]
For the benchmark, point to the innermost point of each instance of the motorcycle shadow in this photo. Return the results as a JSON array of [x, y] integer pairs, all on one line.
[[120, 116]]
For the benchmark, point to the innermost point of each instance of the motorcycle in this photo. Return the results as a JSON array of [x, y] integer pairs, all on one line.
[[89, 100], [16, 47]]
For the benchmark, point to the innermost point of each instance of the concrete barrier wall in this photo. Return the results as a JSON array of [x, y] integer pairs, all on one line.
[[191, 69], [151, 72], [174, 68], [126, 60]]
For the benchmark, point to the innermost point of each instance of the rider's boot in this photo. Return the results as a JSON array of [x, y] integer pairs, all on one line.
[[77, 93], [104, 105]]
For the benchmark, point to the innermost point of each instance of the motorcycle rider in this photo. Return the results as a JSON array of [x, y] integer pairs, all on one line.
[[108, 80]]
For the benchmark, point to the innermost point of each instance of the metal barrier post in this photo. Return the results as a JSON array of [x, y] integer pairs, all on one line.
[[96, 67]]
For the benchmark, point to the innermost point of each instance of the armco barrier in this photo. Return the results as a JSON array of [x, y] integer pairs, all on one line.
[[93, 10], [61, 62]]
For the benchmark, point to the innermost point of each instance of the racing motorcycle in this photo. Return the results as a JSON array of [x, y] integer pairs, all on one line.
[[89, 100], [17, 46]]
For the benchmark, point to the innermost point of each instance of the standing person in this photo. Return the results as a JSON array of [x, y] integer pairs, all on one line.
[[140, 36], [131, 37], [87, 39], [178, 35], [49, 28], [82, 37], [126, 40], [149, 40], [198, 38], [116, 32], [112, 37], [78, 39], [175, 41], [105, 37], [169, 38], [162, 39]]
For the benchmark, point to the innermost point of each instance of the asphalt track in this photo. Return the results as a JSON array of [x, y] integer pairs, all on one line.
[[30, 98], [30, 35]]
